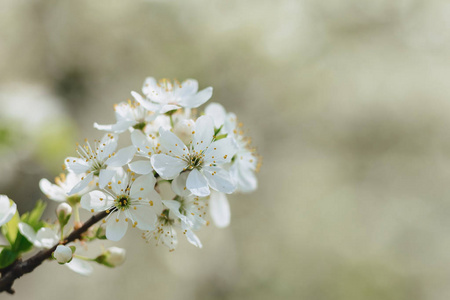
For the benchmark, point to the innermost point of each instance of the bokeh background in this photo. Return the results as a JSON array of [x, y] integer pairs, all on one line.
[[348, 101]]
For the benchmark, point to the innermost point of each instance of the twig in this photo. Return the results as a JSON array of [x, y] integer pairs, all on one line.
[[19, 267]]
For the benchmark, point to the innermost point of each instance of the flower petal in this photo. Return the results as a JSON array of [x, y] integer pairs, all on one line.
[[46, 238], [80, 266], [217, 113], [197, 99], [82, 184], [122, 157], [145, 103], [219, 208], [116, 227], [145, 216], [203, 133], [168, 107], [119, 127], [76, 165], [7, 209], [28, 232], [142, 185], [52, 191], [172, 143], [193, 239], [105, 176], [141, 167], [166, 166], [219, 179], [96, 201], [179, 184], [221, 151], [197, 184]]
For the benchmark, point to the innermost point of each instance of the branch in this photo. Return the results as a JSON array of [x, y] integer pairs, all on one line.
[[19, 267]]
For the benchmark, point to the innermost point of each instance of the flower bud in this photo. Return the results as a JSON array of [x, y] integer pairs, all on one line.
[[115, 256], [63, 254], [64, 208], [63, 212]]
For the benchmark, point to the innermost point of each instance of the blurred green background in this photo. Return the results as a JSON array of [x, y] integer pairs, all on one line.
[[348, 101]]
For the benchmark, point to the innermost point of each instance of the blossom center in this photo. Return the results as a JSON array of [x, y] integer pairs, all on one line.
[[122, 202]]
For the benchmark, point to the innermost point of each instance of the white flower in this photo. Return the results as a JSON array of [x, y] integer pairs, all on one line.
[[128, 115], [245, 163], [7, 209], [126, 198], [219, 209], [44, 238], [63, 254], [187, 222], [146, 145], [99, 160], [64, 184], [115, 256], [164, 96], [164, 234], [200, 159]]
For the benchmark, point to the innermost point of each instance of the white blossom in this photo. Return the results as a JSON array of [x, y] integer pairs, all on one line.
[[128, 115], [164, 95], [127, 199], [202, 159], [99, 160], [7, 209], [44, 238], [64, 184]]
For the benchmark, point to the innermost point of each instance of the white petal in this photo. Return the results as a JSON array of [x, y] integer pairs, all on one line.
[[119, 182], [122, 157], [217, 113], [172, 143], [145, 217], [179, 184], [197, 184], [46, 238], [150, 85], [80, 266], [219, 209], [96, 200], [244, 178], [145, 103], [197, 99], [221, 180], [118, 127], [116, 227], [7, 210], [174, 207], [105, 176], [168, 107], [166, 166], [76, 165], [188, 88], [193, 239], [141, 167], [141, 142], [82, 184], [52, 191], [28, 232], [221, 151], [203, 133], [142, 185]]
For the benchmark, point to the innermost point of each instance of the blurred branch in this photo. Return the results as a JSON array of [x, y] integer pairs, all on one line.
[[19, 267]]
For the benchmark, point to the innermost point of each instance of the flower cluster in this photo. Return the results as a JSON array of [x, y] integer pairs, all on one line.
[[201, 157]]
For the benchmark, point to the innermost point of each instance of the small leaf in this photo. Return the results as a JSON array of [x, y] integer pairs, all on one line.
[[33, 218], [7, 257], [11, 229]]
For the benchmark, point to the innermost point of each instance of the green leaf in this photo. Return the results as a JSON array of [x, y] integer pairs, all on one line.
[[11, 229], [7, 257], [33, 218]]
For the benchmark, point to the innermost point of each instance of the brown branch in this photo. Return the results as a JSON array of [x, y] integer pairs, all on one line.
[[19, 267]]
